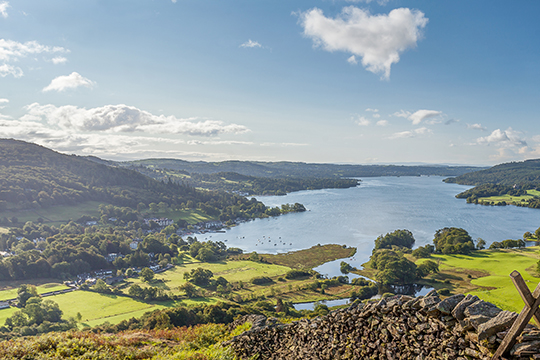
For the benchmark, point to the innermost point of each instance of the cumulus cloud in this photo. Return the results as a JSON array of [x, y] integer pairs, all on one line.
[[476, 127], [251, 44], [362, 121], [2, 102], [3, 9], [503, 138], [509, 143], [59, 60], [410, 133], [382, 123], [376, 116], [352, 60], [377, 39], [71, 81], [451, 121], [6, 69], [124, 118], [372, 110], [418, 116]]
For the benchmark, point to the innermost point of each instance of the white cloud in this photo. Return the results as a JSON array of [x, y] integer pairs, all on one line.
[[2, 102], [251, 44], [3, 9], [282, 144], [377, 39], [71, 81], [6, 69], [174, 1], [376, 116], [380, 2], [124, 118], [410, 133], [362, 121], [12, 50], [503, 138], [418, 116], [59, 60], [352, 60], [476, 127], [382, 123], [372, 110]]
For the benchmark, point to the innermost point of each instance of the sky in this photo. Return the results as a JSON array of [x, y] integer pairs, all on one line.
[[324, 81]]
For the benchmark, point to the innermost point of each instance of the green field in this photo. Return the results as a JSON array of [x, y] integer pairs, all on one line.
[[490, 270], [233, 271], [192, 216], [511, 199], [55, 215], [10, 291]]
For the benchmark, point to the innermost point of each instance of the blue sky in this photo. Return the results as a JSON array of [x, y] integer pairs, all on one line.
[[317, 81]]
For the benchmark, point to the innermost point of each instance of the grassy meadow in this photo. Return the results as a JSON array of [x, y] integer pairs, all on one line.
[[510, 199], [485, 273], [8, 289], [55, 215]]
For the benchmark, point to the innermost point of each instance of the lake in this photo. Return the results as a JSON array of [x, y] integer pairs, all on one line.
[[357, 216]]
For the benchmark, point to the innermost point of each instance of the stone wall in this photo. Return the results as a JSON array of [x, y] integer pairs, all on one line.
[[401, 327]]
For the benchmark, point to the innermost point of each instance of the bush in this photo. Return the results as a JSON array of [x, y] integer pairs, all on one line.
[[261, 280], [295, 274], [444, 292]]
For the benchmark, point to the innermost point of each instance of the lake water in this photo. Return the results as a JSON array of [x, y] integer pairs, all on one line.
[[356, 216]]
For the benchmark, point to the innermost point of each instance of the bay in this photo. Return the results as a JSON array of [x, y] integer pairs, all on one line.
[[356, 216]]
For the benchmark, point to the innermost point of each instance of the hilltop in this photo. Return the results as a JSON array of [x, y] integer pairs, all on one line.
[[285, 169], [520, 173]]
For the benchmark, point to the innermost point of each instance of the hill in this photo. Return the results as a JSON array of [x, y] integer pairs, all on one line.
[[521, 173], [32, 176], [285, 169]]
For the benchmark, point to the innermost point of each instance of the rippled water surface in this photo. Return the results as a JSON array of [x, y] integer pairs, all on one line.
[[356, 216]]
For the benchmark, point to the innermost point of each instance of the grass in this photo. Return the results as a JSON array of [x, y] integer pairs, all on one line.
[[312, 257], [486, 273], [510, 199], [55, 215], [233, 271], [192, 216], [9, 288], [98, 308]]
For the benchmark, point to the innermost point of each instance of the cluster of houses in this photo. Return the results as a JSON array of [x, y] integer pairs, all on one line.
[[161, 222]]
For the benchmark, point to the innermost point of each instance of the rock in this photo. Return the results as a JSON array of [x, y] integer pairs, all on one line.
[[502, 321], [447, 305], [459, 309]]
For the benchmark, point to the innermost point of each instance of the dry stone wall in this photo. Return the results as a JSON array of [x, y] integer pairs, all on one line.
[[401, 327]]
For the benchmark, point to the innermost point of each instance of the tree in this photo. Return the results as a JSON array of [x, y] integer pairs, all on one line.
[[393, 268], [345, 268], [402, 238], [189, 289], [426, 268], [453, 241], [146, 274], [480, 244], [199, 276], [24, 293]]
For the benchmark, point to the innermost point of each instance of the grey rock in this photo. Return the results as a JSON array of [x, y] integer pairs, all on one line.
[[482, 308], [459, 309], [447, 305], [501, 322]]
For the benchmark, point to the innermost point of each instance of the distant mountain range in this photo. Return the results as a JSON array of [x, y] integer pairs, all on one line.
[[32, 176], [285, 169]]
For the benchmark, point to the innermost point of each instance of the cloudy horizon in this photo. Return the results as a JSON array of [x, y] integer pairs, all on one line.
[[326, 82]]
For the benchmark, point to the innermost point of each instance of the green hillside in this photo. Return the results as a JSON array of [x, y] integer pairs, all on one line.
[[521, 173]]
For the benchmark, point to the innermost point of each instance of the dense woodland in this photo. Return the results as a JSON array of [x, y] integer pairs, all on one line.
[[245, 184], [524, 173]]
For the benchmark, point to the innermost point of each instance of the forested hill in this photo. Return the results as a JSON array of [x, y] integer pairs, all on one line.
[[32, 176], [286, 169], [521, 173]]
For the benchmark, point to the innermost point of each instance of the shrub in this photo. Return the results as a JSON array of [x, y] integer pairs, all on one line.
[[261, 280], [295, 274]]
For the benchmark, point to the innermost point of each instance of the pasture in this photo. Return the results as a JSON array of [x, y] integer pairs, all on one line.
[[485, 273]]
